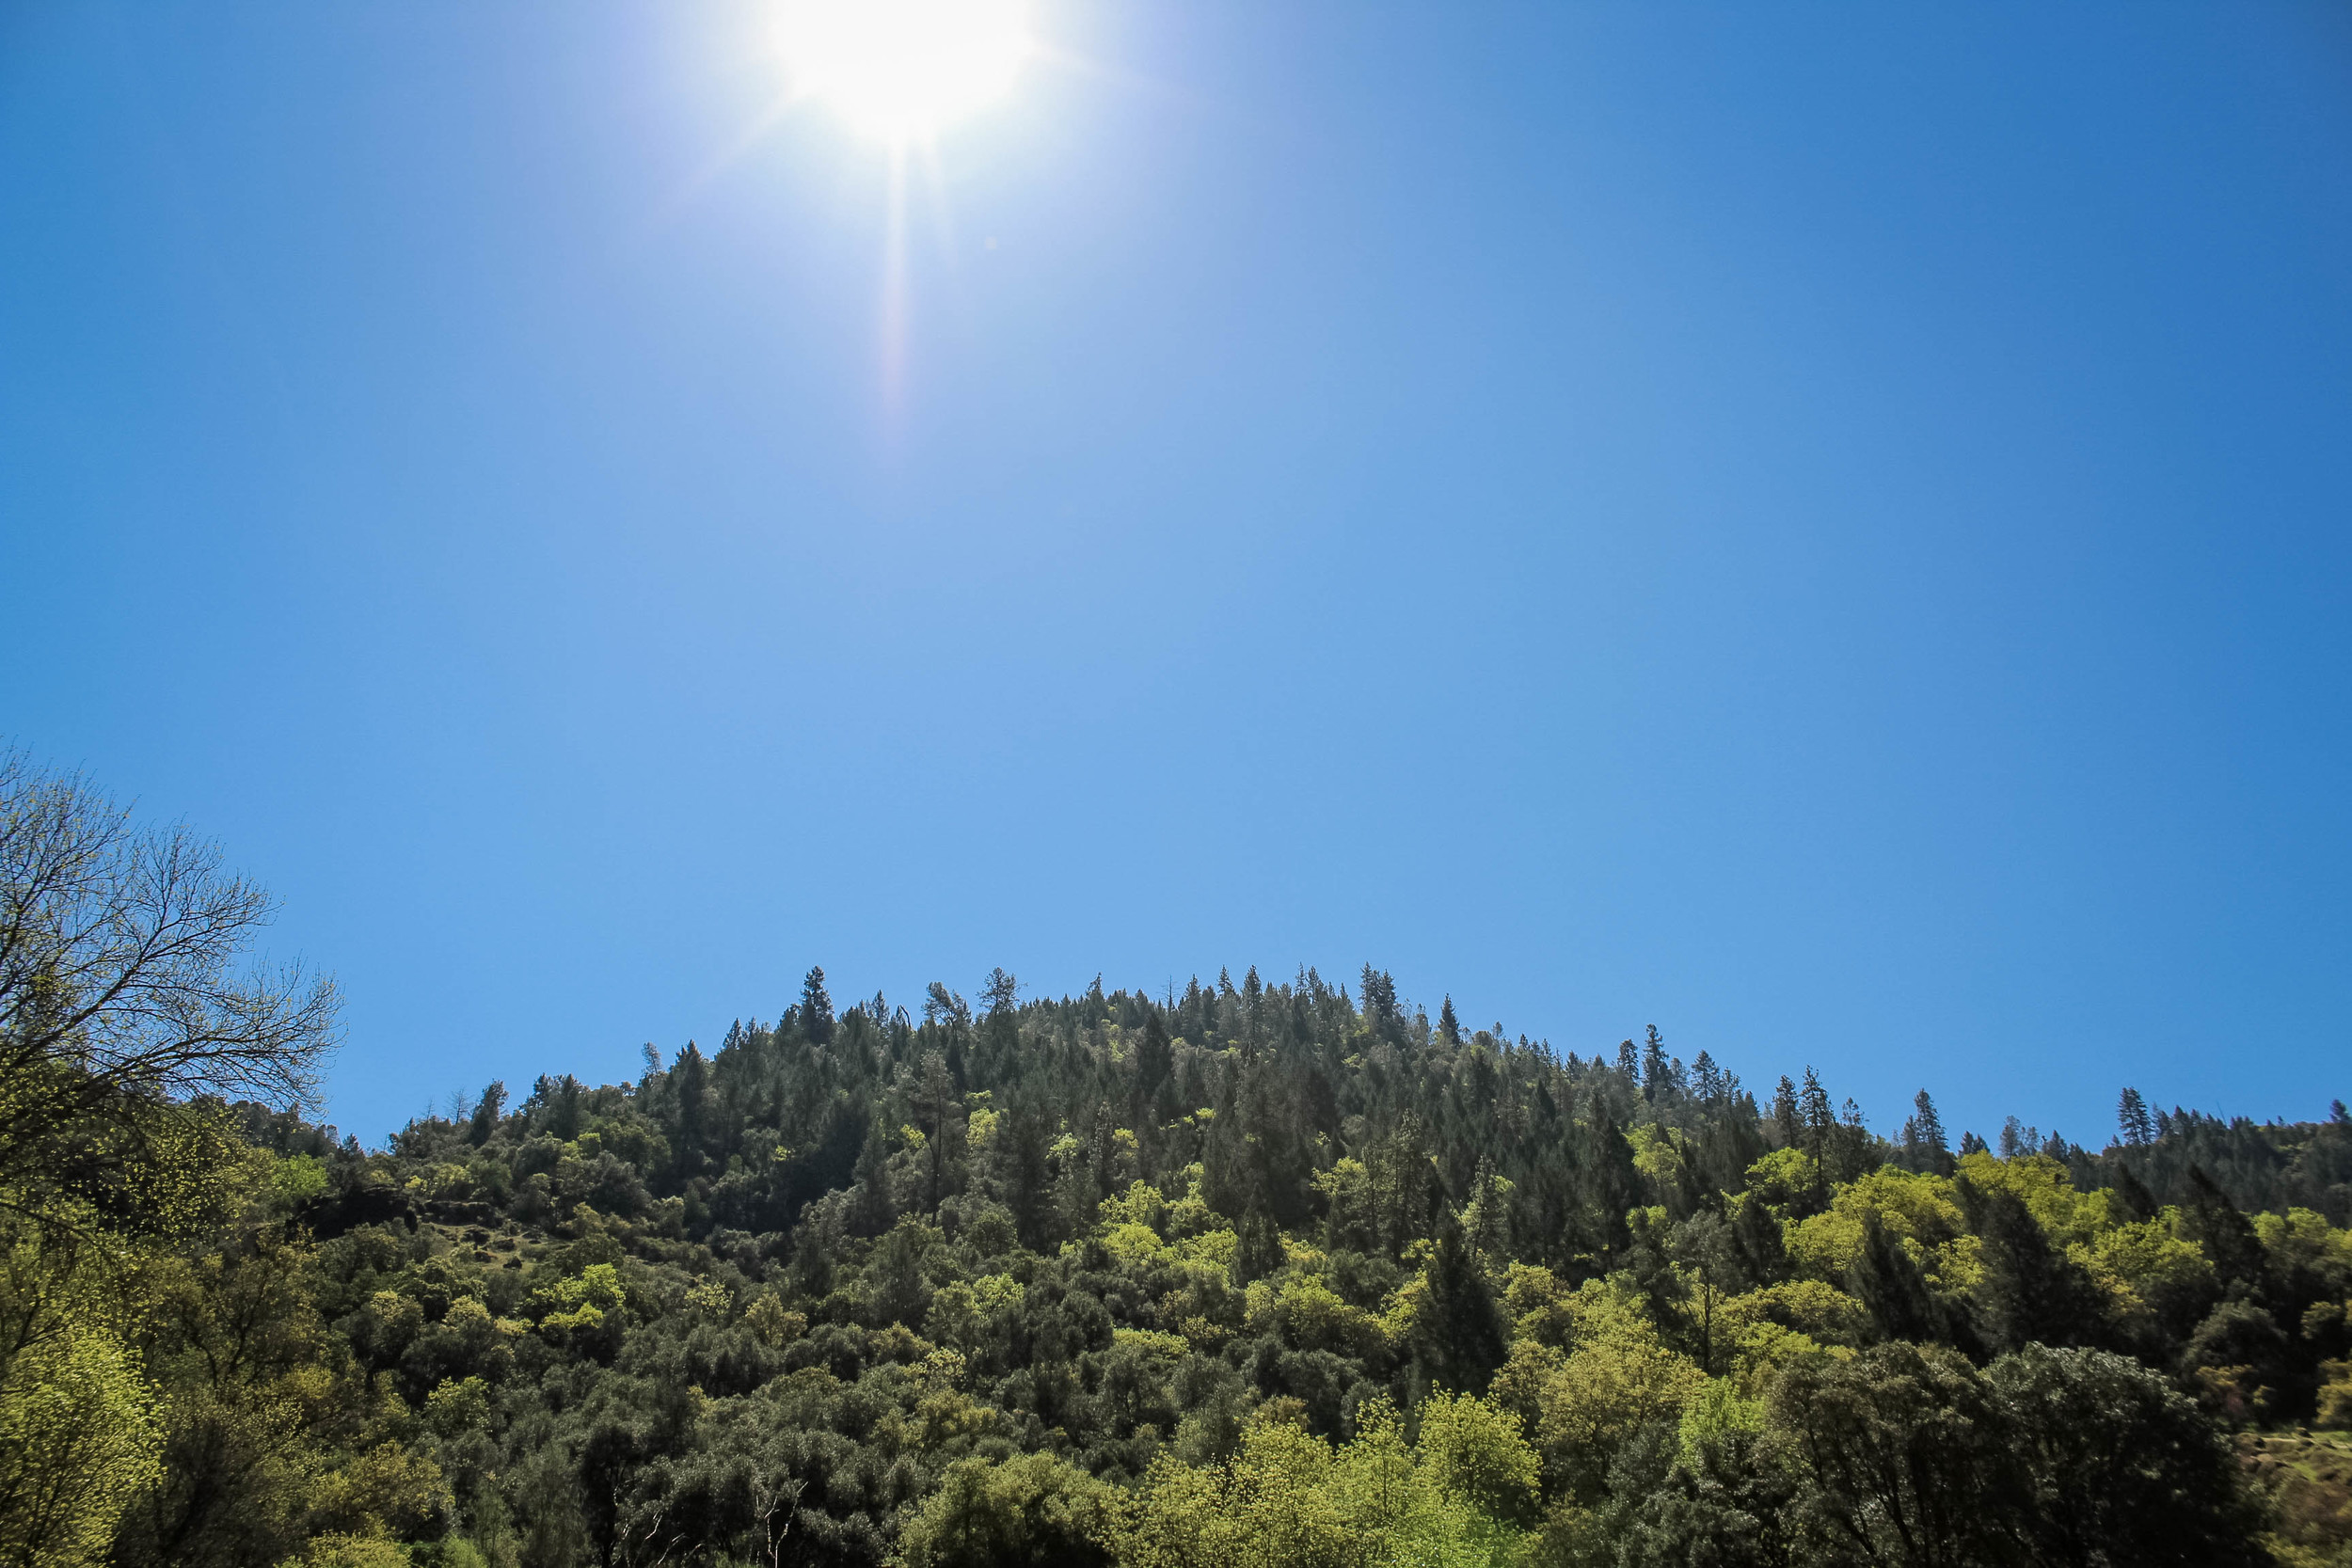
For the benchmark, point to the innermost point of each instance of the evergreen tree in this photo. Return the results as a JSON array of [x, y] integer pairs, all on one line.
[[565, 1101], [1655, 1082], [1449, 1027], [2137, 1201], [1820, 1124], [946, 1009], [816, 1010], [1615, 1186], [871, 1210], [1155, 1056], [1787, 1119], [689, 1082], [1024, 1136], [2030, 1291], [1381, 1013], [485, 1115], [1853, 1143], [1000, 1022], [2132, 1120], [2213, 1222], [2017, 1138], [937, 1099], [1756, 1244], [1001, 994], [1890, 1286], [1708, 1081], [1936, 1155], [1192, 1013], [1458, 1340]]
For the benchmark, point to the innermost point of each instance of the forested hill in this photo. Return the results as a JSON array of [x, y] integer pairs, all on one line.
[[1271, 1091], [1111, 1277], [1274, 1273]]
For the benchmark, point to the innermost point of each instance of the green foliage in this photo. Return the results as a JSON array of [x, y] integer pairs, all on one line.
[[1288, 1496], [1475, 1451], [1263, 1274], [2046, 1456], [79, 1441], [1031, 1508]]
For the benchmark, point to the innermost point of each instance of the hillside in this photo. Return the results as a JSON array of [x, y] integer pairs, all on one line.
[[1277, 1270]]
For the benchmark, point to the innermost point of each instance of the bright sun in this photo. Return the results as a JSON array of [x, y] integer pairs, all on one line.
[[901, 69]]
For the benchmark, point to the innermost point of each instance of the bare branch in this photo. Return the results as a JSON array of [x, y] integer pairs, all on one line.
[[126, 965]]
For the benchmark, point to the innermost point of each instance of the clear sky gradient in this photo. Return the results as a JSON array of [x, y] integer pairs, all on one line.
[[1825, 528]]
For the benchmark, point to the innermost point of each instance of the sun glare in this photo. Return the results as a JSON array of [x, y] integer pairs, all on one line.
[[902, 69]]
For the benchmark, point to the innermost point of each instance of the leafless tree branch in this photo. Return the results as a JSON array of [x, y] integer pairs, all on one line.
[[125, 965]]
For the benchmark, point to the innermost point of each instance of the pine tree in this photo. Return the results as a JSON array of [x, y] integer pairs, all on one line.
[[1853, 1143], [1192, 1014], [690, 1080], [1449, 1027], [1258, 1249], [1458, 1333], [1890, 1286], [1385, 1019], [2017, 1138], [1819, 1126], [2131, 1116], [1708, 1080], [1930, 1129], [871, 1210], [816, 1010], [566, 1107], [1786, 1117], [2030, 1291], [1000, 991], [1615, 1185], [1000, 1024], [1154, 1056], [1757, 1244], [2137, 1201], [946, 1008], [1486, 1222], [2213, 1222], [1022, 1142], [485, 1115], [937, 1103], [1655, 1080]]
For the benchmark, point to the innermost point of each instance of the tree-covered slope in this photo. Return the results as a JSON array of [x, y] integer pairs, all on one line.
[[1288, 1273]]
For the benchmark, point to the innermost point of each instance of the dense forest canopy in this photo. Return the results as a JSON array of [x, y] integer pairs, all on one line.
[[1268, 1272]]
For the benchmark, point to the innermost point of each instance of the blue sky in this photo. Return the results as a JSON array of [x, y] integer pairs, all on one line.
[[1820, 527]]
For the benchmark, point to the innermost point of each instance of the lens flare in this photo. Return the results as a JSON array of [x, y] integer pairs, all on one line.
[[902, 69]]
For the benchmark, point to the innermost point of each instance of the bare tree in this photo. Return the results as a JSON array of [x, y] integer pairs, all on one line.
[[126, 979]]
